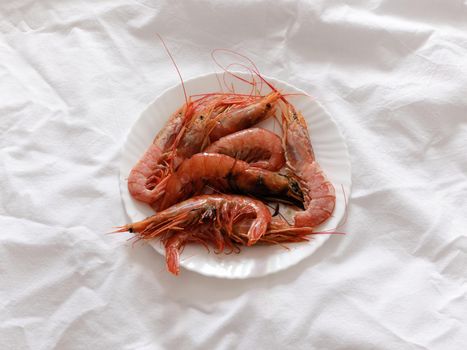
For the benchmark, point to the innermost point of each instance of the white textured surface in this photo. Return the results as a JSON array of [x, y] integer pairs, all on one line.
[[75, 76], [329, 148]]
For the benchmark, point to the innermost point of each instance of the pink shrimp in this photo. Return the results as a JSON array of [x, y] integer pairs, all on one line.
[[241, 111], [259, 147], [194, 135], [141, 181], [226, 173], [178, 224], [318, 192], [185, 134], [236, 118]]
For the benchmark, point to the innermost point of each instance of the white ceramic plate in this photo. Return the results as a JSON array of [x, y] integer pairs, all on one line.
[[330, 150]]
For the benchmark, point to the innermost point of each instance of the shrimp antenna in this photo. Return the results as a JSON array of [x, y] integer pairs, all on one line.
[[250, 61], [275, 208], [213, 189], [175, 64]]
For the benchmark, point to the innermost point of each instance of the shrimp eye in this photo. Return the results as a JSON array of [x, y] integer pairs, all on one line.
[[295, 187], [268, 105], [201, 117]]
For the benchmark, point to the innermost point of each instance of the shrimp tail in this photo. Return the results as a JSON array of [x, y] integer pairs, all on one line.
[[174, 245], [257, 230], [318, 192]]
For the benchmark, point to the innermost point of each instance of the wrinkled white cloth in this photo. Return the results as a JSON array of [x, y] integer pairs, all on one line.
[[75, 75]]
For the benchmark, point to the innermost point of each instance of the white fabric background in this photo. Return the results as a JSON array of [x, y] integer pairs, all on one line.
[[75, 75]]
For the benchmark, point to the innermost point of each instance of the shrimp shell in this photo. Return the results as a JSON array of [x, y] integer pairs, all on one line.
[[182, 222], [259, 147], [318, 192], [234, 119], [225, 174], [149, 167]]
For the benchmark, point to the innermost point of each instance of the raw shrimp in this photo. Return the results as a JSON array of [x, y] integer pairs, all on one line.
[[226, 173], [188, 135], [185, 134], [278, 232], [259, 147], [195, 133], [148, 172], [318, 192], [237, 111], [235, 118], [177, 225], [146, 179]]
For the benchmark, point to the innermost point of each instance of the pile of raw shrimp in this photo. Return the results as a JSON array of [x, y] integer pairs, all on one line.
[[213, 177]]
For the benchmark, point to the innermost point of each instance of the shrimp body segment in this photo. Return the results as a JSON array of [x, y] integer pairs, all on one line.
[[148, 171], [184, 222], [235, 118], [318, 192], [259, 147]]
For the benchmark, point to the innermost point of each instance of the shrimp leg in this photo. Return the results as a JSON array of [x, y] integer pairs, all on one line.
[[178, 224]]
